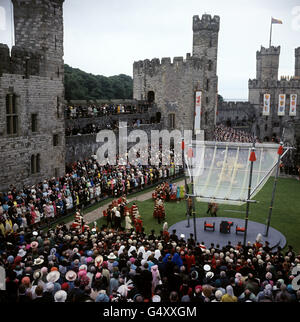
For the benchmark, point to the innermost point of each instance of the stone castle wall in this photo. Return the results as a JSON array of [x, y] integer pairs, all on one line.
[[238, 115], [81, 147], [33, 73], [267, 82], [174, 82]]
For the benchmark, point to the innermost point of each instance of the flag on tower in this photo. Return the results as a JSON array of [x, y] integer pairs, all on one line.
[[276, 21], [273, 21]]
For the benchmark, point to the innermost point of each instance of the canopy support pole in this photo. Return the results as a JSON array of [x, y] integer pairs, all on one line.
[[249, 195]]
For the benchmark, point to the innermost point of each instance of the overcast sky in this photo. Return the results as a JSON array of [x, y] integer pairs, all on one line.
[[107, 36]]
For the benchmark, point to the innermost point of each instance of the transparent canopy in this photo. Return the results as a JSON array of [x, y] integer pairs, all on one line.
[[221, 170]]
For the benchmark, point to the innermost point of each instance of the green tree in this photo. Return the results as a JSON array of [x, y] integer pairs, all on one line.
[[80, 85]]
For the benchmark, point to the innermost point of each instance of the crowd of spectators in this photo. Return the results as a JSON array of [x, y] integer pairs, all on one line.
[[104, 265], [84, 183], [227, 134], [93, 128], [97, 110]]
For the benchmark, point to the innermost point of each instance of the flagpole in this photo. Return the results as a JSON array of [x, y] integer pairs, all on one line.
[[273, 192], [193, 203], [249, 193], [270, 34], [186, 188]]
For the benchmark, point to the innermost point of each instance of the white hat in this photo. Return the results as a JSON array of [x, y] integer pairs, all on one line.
[[38, 261], [21, 252], [111, 256], [156, 298], [70, 276], [206, 268], [60, 296], [209, 275], [53, 276]]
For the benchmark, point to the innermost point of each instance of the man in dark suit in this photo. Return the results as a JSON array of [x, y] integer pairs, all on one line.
[[76, 293], [39, 295], [173, 236]]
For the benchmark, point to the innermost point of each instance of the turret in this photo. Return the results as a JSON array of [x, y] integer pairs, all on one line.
[[39, 27], [267, 63], [205, 36]]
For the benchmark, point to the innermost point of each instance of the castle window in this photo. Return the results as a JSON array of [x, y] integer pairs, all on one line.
[[35, 163], [55, 140], [11, 114], [27, 67], [33, 122], [266, 127], [57, 107], [210, 65], [172, 120], [261, 98], [206, 100], [151, 97], [210, 43], [206, 118], [207, 84]]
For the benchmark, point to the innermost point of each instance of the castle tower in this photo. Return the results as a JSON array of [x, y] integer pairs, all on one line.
[[173, 84], [205, 46], [267, 63], [205, 36], [39, 27], [297, 62], [32, 128]]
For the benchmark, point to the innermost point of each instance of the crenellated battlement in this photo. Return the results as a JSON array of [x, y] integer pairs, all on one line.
[[268, 51], [206, 23], [235, 104], [35, 2], [156, 63], [283, 83], [20, 61]]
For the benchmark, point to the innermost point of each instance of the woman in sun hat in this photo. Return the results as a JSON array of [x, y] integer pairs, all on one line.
[[71, 277], [38, 261], [34, 244], [60, 296], [111, 259], [98, 261], [53, 276]]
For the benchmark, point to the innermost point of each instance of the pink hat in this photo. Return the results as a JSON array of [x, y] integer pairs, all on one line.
[[132, 260], [34, 244], [98, 275], [44, 270], [89, 259], [198, 287], [81, 273]]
